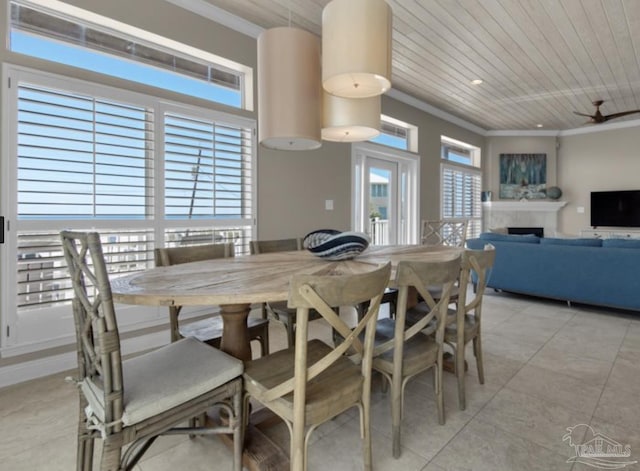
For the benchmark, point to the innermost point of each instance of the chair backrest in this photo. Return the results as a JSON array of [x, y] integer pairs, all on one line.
[[278, 245], [192, 253], [451, 232], [323, 293], [97, 337], [422, 276], [475, 264]]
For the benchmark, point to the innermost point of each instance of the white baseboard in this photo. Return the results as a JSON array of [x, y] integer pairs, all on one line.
[[25, 371]]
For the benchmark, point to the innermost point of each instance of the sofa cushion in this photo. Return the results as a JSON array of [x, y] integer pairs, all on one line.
[[525, 238], [622, 243], [585, 242]]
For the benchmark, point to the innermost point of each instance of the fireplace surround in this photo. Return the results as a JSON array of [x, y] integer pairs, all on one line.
[[522, 214]]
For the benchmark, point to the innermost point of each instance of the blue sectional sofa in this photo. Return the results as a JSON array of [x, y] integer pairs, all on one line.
[[591, 271]]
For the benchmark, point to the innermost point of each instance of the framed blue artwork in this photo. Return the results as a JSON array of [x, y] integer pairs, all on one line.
[[523, 176]]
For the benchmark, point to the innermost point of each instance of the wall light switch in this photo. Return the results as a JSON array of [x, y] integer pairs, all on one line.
[[581, 209], [328, 205]]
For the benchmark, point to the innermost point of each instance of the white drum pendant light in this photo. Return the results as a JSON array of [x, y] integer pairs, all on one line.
[[289, 90], [350, 119], [356, 48]]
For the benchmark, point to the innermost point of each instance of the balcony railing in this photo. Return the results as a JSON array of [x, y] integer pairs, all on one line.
[[379, 231]]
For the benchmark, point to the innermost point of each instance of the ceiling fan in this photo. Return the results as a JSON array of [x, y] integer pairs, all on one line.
[[598, 117]]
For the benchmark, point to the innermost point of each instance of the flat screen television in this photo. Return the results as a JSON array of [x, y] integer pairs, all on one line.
[[615, 208]]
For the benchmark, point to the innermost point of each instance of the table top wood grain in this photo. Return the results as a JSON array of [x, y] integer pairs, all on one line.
[[252, 278]]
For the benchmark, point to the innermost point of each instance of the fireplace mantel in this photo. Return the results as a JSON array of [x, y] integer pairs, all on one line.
[[528, 205], [530, 213]]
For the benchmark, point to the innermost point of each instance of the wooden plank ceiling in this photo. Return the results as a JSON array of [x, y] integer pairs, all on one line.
[[540, 60]]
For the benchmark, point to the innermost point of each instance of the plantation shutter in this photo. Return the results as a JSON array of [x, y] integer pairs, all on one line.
[[81, 157], [460, 195], [78, 158], [208, 178], [207, 169]]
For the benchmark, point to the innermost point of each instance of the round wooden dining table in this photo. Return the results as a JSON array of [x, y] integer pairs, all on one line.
[[237, 282]]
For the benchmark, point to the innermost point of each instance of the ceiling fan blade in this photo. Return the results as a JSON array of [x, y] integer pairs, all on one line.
[[618, 115], [583, 114]]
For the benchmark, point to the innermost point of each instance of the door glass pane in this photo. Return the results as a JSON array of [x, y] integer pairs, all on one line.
[[380, 207]]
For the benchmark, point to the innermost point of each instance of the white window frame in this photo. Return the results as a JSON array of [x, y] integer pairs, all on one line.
[[33, 330], [410, 131], [117, 28]]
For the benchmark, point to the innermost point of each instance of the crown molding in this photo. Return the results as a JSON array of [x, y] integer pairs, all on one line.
[[600, 127], [217, 14], [432, 110], [523, 133]]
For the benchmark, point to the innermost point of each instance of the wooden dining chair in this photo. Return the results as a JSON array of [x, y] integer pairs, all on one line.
[[402, 352], [467, 327], [450, 232], [207, 330], [279, 310], [312, 382], [129, 403]]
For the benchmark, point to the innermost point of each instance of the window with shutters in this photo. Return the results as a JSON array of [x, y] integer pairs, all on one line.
[[141, 171], [461, 182]]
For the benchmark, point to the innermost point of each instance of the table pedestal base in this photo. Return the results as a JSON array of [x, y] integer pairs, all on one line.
[[449, 364], [235, 336], [260, 452]]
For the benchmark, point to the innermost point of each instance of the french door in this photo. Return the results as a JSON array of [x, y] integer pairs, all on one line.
[[385, 194]]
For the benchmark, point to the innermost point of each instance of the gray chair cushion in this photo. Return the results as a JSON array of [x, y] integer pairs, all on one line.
[[165, 378]]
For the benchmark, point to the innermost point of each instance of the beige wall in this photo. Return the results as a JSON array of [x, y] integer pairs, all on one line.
[[293, 187], [606, 160]]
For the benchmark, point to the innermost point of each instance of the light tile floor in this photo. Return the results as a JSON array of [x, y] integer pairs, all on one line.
[[548, 367]]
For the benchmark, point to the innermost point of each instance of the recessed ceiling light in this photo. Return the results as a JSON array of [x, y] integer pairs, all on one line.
[[477, 81], [539, 125]]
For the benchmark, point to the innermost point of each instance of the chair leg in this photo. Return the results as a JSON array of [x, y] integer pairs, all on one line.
[[437, 381], [366, 439], [288, 325], [246, 410], [477, 350], [298, 448], [264, 341], [84, 459], [458, 351], [111, 453], [396, 413], [238, 431]]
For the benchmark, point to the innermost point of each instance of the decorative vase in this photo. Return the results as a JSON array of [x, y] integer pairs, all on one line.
[[554, 192], [335, 245]]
